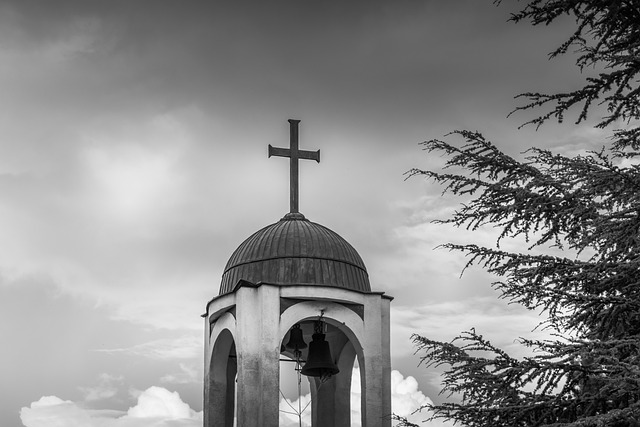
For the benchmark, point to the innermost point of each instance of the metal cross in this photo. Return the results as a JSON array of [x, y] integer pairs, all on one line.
[[294, 154]]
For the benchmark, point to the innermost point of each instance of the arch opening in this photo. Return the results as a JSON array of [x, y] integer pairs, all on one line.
[[221, 395], [320, 403]]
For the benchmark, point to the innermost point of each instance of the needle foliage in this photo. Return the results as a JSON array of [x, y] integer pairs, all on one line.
[[585, 206]]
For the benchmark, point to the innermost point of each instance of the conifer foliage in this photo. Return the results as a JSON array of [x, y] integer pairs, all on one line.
[[587, 206]]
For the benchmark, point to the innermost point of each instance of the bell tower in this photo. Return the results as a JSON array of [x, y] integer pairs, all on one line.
[[298, 289]]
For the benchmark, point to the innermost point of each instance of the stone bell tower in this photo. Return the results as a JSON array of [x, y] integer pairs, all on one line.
[[290, 279]]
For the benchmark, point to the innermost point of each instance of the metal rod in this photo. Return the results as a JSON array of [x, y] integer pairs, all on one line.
[[231, 356]]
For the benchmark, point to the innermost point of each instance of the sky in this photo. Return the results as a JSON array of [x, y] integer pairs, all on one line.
[[133, 161]]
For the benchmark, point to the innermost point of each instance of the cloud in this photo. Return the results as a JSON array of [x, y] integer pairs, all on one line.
[[135, 175], [51, 411], [156, 407], [107, 387], [405, 396], [158, 402], [289, 408], [188, 374], [137, 179], [498, 321], [185, 347], [159, 407], [81, 37]]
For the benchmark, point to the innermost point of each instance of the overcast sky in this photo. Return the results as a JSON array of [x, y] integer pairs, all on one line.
[[133, 161]]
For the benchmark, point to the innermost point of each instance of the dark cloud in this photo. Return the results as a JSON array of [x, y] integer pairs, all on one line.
[[133, 158]]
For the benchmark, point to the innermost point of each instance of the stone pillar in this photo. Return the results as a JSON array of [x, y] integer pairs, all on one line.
[[230, 404], [376, 412], [342, 397], [322, 403], [258, 349], [385, 346], [331, 400]]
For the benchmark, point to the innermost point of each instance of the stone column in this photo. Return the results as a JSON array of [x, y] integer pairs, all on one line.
[[385, 345], [323, 404], [376, 366], [230, 403], [331, 400], [342, 397], [258, 349]]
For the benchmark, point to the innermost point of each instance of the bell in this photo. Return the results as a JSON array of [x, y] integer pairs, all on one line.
[[296, 341], [319, 361]]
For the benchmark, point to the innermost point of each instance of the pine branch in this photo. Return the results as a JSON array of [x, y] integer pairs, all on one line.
[[606, 36]]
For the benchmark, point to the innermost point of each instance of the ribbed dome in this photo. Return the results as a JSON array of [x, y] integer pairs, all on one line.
[[296, 251]]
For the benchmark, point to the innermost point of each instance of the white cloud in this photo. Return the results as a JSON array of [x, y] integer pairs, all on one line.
[[405, 396], [159, 407], [132, 181], [185, 347], [158, 402], [188, 374], [289, 408], [51, 411], [495, 319], [156, 407], [107, 387]]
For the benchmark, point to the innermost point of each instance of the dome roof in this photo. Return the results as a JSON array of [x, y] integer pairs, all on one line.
[[296, 251]]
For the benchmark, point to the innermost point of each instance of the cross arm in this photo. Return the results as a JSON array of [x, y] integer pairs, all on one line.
[[309, 155], [279, 152]]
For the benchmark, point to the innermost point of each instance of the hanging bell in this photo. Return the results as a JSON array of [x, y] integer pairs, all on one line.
[[319, 361], [296, 341]]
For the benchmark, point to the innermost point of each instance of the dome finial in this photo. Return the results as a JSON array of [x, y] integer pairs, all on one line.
[[294, 154], [293, 216]]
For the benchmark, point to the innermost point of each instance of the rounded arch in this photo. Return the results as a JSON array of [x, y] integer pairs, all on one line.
[[330, 404], [335, 314], [226, 321], [222, 368], [223, 349]]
